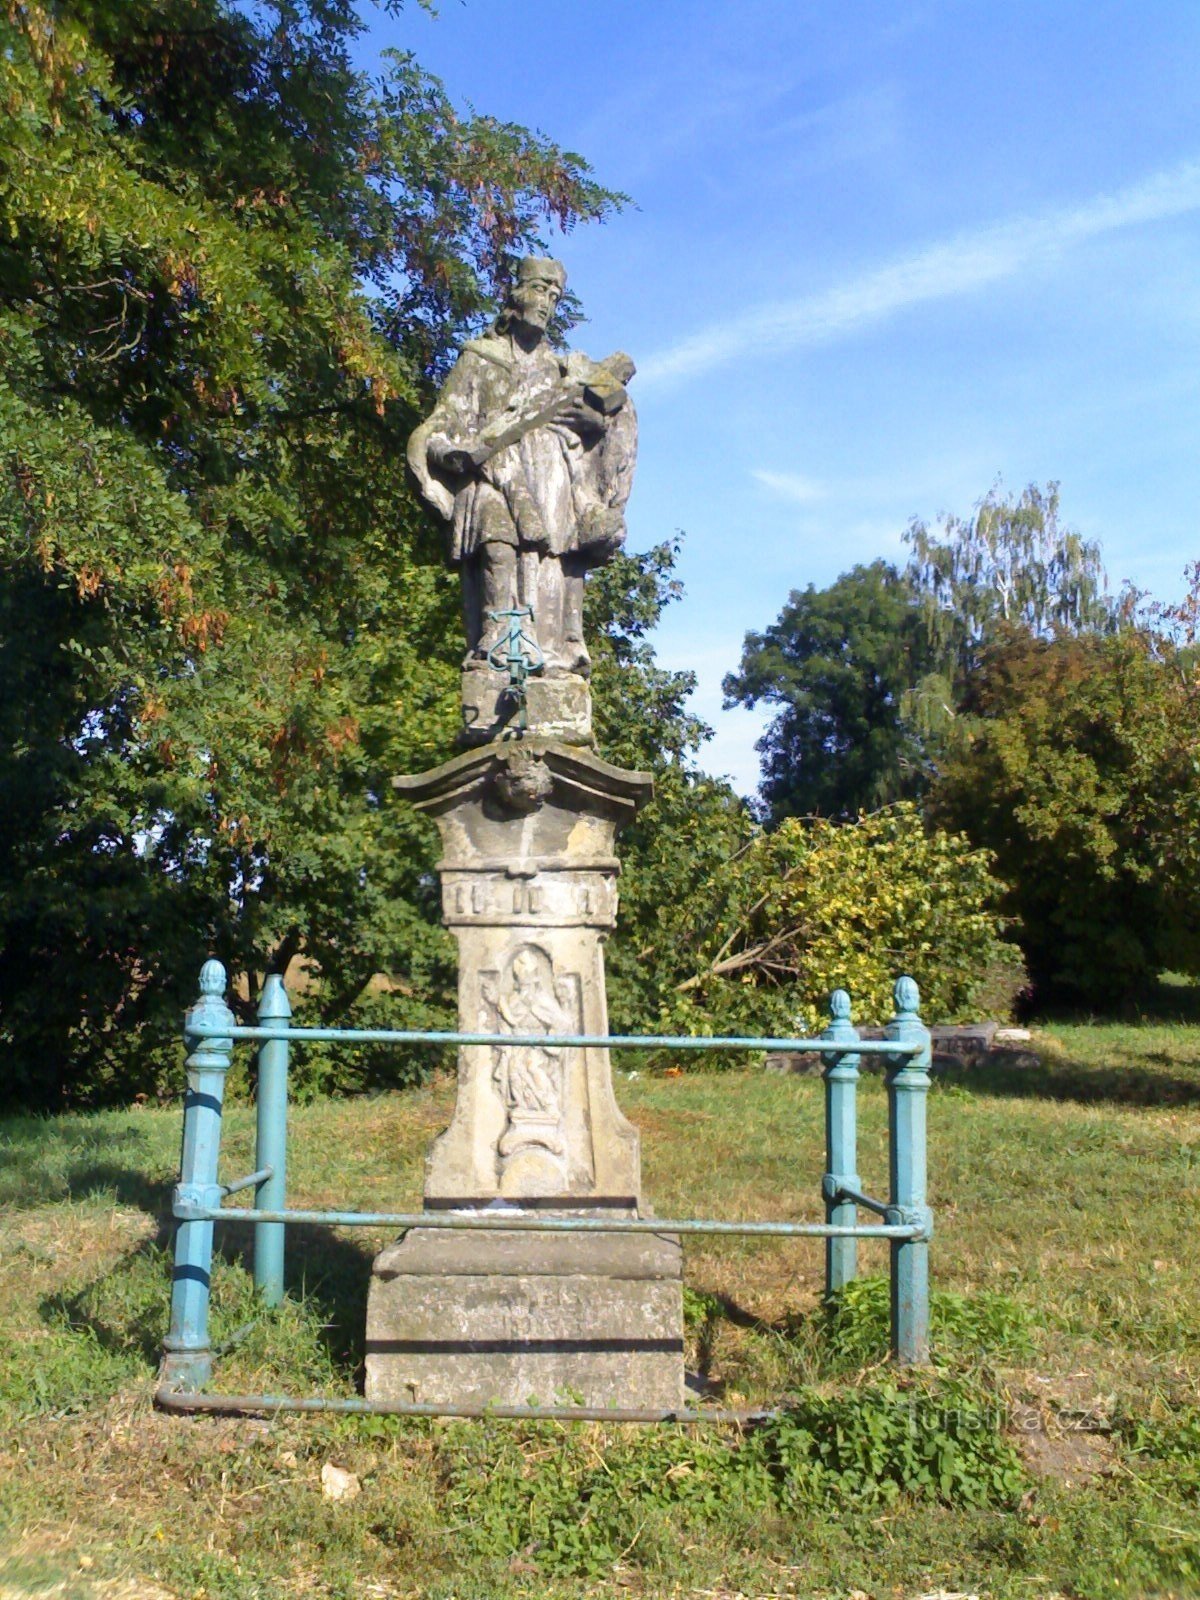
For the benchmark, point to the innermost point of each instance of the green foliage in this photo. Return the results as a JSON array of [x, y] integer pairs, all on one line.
[[964, 1329], [552, 1496], [869, 673], [1009, 567], [1075, 764], [938, 1441], [1170, 1449], [838, 663], [816, 906], [575, 1503], [683, 839], [230, 262], [65, 1370]]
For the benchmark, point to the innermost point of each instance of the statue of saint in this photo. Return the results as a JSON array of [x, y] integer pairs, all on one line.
[[529, 456], [530, 1077]]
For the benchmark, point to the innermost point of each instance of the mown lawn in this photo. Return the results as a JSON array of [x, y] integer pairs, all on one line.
[[1069, 1305]]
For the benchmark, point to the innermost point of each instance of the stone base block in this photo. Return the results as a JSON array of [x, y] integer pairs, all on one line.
[[521, 1318], [555, 708]]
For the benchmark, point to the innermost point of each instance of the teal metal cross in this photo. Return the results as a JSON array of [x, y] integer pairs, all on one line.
[[516, 653]]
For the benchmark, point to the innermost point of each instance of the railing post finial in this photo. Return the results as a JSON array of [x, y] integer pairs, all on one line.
[[841, 1143]]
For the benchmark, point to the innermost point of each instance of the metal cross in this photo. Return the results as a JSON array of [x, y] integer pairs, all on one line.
[[516, 653]]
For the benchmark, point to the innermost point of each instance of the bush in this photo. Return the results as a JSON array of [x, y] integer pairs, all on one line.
[[574, 1501], [818, 905]]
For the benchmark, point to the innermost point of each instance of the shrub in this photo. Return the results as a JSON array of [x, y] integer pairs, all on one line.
[[818, 905]]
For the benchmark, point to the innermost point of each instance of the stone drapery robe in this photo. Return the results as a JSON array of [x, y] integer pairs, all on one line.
[[552, 496]]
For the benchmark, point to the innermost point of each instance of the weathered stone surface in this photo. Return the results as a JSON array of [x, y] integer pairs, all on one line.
[[529, 891], [529, 457], [555, 708], [510, 1319]]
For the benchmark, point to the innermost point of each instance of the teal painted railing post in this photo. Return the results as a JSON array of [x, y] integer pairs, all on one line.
[[841, 1144], [271, 1150], [187, 1355], [907, 1089]]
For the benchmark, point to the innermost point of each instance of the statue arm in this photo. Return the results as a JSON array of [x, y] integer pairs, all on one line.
[[434, 492], [444, 445]]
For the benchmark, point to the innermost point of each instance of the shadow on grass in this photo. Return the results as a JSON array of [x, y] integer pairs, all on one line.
[[45, 1162], [125, 1310], [1049, 1074], [333, 1274], [1171, 1001]]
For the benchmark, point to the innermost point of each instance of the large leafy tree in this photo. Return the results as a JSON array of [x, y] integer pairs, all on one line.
[[838, 663], [1075, 762], [1010, 568], [869, 673], [231, 263]]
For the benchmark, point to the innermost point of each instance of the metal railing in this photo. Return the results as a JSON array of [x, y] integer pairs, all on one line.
[[210, 1033]]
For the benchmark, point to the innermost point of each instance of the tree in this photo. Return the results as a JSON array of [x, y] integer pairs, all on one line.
[[870, 672], [839, 663], [1010, 567], [230, 264], [1075, 763]]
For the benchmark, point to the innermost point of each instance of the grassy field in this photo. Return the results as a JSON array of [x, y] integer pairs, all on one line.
[[1067, 1324]]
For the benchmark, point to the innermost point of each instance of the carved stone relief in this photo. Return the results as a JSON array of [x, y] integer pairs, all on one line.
[[533, 1081]]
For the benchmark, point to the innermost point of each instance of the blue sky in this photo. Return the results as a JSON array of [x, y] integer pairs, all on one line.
[[881, 255]]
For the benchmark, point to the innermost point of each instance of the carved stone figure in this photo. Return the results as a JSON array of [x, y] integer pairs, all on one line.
[[529, 456], [530, 1078]]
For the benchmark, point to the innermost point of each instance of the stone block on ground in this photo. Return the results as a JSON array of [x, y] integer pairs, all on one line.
[[476, 1318]]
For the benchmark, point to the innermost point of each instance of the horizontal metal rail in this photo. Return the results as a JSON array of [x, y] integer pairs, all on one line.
[[233, 1404], [558, 1041], [531, 1222]]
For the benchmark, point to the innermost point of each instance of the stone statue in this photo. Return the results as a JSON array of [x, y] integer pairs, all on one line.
[[529, 456]]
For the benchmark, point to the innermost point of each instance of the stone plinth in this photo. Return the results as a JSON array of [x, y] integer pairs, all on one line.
[[525, 1318], [529, 890], [557, 708]]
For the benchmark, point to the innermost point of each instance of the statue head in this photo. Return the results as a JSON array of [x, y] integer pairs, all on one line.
[[525, 970], [535, 293]]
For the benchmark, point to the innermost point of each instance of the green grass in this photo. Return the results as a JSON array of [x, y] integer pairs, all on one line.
[[1055, 1449]]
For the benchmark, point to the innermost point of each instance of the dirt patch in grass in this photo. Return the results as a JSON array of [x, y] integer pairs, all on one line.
[[1074, 1459]]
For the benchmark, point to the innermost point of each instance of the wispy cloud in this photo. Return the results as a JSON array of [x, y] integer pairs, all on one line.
[[954, 266], [790, 485]]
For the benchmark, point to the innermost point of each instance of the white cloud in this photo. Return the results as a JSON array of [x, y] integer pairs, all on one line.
[[956, 266], [790, 485]]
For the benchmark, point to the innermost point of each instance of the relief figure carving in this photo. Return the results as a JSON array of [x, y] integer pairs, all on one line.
[[531, 1078]]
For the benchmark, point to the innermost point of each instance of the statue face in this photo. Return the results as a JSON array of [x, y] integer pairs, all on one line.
[[525, 971], [534, 298]]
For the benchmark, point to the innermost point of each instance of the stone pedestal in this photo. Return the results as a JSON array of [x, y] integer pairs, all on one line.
[[529, 881], [527, 1318], [555, 708]]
